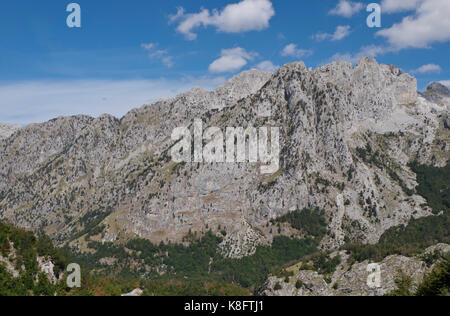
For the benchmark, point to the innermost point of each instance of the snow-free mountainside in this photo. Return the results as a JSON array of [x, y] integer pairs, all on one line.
[[363, 156]]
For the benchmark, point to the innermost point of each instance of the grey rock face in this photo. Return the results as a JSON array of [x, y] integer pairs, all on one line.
[[69, 172], [438, 93], [351, 279], [7, 130], [437, 88]]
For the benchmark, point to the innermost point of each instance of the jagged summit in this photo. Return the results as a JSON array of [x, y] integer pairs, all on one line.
[[438, 88], [7, 130], [242, 85], [438, 93], [236, 88]]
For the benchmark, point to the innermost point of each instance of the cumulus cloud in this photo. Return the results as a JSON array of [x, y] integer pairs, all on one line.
[[267, 66], [346, 8], [430, 24], [231, 60], [39, 101], [395, 6], [429, 68], [341, 32], [292, 50], [245, 16], [158, 54]]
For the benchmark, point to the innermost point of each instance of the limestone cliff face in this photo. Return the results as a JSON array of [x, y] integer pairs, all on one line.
[[7, 130], [74, 173]]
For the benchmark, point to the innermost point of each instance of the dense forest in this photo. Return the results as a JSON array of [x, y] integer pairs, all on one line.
[[199, 262], [434, 185]]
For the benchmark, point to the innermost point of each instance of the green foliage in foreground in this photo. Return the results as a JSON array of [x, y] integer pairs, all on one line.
[[199, 263], [198, 269], [93, 285], [25, 247], [436, 283]]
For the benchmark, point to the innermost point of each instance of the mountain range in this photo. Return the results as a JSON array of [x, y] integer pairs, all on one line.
[[347, 135], [349, 138]]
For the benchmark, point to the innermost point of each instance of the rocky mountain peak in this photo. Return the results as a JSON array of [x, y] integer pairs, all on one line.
[[55, 173], [7, 130], [250, 78], [438, 93], [438, 88], [239, 87]]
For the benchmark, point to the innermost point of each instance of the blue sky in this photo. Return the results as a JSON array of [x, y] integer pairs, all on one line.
[[128, 53]]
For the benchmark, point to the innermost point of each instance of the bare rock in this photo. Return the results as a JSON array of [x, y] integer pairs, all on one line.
[[352, 279], [7, 130], [71, 171]]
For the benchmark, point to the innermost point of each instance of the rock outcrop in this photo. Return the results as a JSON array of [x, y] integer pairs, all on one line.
[[134, 293], [7, 130], [438, 93], [352, 279]]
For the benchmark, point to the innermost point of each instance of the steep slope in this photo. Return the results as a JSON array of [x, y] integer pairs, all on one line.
[[63, 174], [28, 265], [351, 279], [346, 137], [438, 93], [7, 130]]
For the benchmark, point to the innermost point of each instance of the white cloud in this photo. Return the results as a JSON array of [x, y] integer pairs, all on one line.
[[158, 54], [395, 6], [175, 17], [429, 24], [292, 50], [245, 16], [429, 68], [231, 60], [38, 101], [445, 83], [341, 32], [346, 8], [267, 66], [148, 46]]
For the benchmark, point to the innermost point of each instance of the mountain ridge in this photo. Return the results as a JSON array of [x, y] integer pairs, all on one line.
[[74, 173]]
